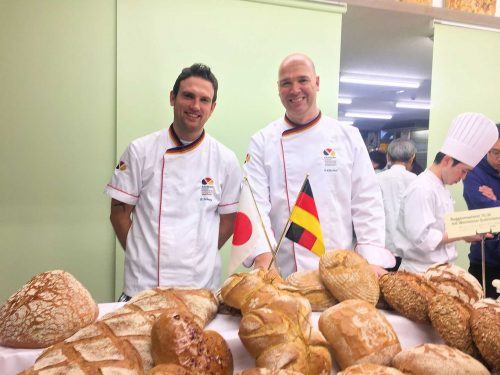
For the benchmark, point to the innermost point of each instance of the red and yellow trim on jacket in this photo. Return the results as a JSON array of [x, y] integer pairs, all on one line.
[[297, 128], [179, 147]]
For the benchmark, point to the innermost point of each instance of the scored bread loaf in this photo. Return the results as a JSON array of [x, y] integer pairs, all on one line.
[[437, 359], [358, 333], [49, 308], [266, 371], [370, 369], [169, 369], [177, 339], [407, 293], [121, 340], [349, 276], [485, 327], [454, 281], [310, 285], [450, 317]]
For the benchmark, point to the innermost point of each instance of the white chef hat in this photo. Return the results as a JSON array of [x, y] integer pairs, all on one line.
[[470, 137]]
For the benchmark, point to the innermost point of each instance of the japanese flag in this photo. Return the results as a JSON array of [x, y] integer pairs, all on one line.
[[248, 229]]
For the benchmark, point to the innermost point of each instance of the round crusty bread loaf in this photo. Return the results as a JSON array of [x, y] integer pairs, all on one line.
[[437, 359], [266, 371], [49, 308], [407, 293], [370, 369], [451, 319], [169, 369], [454, 281], [358, 333], [310, 285], [349, 276], [177, 339], [485, 327]]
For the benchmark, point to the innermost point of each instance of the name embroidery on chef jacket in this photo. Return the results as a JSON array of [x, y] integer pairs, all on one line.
[[207, 189], [330, 160]]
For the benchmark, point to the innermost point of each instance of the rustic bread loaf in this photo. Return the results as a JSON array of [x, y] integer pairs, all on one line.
[[266, 371], [49, 308], [485, 327], [310, 285], [349, 276], [450, 317], [169, 369], [370, 369], [358, 333], [454, 281], [437, 359], [121, 340], [407, 293], [177, 339]]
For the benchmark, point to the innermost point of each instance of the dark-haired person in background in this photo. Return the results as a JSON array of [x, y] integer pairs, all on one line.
[[482, 190], [421, 237], [379, 160], [174, 195]]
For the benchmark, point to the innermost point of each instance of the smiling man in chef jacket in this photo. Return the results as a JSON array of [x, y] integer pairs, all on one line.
[[306, 141], [175, 193], [421, 236]]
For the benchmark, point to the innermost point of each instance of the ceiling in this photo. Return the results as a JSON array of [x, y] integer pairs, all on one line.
[[390, 44]]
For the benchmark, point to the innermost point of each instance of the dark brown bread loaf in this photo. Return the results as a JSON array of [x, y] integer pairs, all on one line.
[[49, 308], [121, 341], [169, 369], [485, 327]]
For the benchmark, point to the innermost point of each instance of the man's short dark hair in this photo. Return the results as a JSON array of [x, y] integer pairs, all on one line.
[[440, 156], [379, 158], [197, 70]]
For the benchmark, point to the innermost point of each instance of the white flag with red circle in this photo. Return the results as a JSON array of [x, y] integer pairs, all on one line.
[[248, 229]]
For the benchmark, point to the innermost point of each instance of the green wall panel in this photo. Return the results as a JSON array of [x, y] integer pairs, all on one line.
[[57, 141], [242, 41], [465, 78]]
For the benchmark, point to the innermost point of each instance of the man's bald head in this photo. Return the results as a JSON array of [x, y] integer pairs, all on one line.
[[297, 57]]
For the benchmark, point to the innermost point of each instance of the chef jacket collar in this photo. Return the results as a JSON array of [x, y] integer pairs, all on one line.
[[300, 127], [180, 148]]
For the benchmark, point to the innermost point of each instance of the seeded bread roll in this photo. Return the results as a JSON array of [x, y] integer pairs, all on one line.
[[358, 333], [49, 308], [120, 342], [370, 369], [407, 293], [437, 359], [455, 281], [349, 276], [450, 317], [310, 285], [485, 327]]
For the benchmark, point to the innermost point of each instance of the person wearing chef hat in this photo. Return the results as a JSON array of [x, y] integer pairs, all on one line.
[[420, 235], [175, 193]]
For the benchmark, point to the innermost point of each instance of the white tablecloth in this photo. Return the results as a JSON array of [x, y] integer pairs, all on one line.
[[410, 334]]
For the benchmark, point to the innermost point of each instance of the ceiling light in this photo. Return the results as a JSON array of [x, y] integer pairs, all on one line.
[[345, 100], [377, 116], [414, 105], [379, 81], [346, 122]]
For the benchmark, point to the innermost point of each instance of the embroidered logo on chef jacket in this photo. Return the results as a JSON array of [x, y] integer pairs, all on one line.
[[330, 159], [121, 166], [207, 189]]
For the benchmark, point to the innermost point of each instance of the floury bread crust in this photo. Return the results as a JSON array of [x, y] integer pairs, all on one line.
[[370, 369], [49, 308], [358, 333], [310, 285], [120, 342]]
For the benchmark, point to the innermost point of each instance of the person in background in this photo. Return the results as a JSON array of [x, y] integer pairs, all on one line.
[[174, 194], [421, 237], [379, 160], [482, 190], [305, 141], [393, 183], [416, 167]]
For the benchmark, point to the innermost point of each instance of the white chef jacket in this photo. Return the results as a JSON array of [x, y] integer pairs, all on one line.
[[393, 183], [178, 192], [421, 224], [342, 181]]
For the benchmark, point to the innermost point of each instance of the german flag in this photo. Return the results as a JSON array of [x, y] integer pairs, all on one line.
[[304, 227]]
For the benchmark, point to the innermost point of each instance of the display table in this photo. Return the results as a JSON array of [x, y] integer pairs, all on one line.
[[410, 334]]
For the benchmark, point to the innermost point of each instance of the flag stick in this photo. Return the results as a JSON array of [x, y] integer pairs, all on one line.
[[287, 225]]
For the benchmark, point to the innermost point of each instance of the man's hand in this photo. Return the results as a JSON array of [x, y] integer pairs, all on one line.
[[487, 192], [263, 260], [378, 270], [477, 237]]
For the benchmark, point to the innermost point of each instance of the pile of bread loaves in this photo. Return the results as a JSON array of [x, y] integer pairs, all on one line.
[[161, 331]]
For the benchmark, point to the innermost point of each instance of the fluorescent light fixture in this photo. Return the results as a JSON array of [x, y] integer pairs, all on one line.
[[377, 116], [379, 81], [345, 100], [346, 122], [414, 105]]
